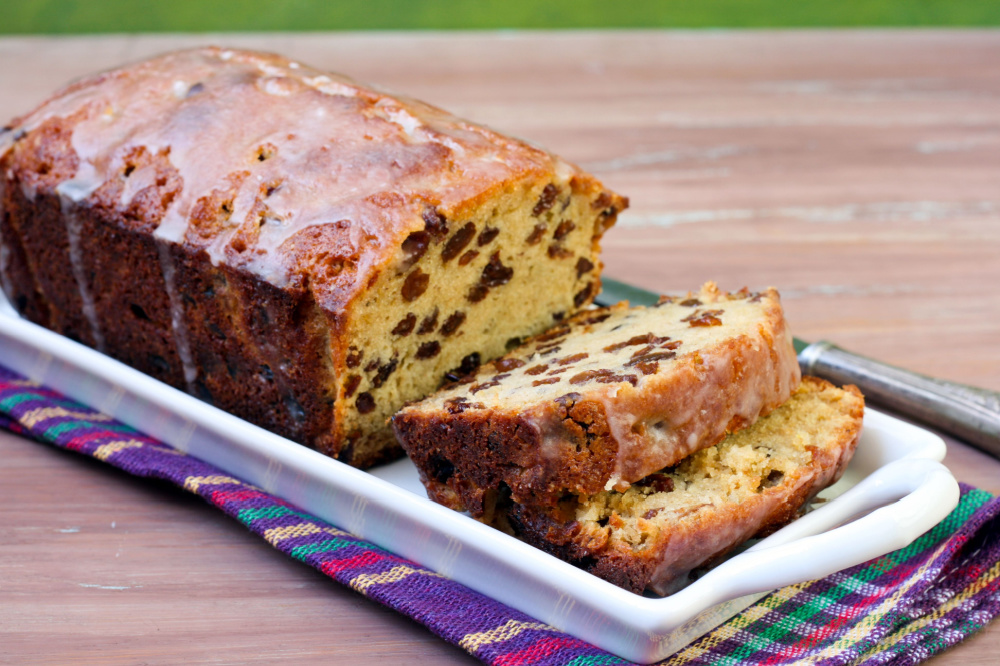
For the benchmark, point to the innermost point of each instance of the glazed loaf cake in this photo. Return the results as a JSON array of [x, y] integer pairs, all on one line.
[[683, 517], [298, 249], [602, 400]]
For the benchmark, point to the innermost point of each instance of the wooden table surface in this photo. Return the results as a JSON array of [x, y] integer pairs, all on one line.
[[859, 172]]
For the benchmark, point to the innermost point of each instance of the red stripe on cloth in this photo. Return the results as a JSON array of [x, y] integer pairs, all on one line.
[[810, 641], [224, 496], [544, 647], [81, 441], [365, 559]]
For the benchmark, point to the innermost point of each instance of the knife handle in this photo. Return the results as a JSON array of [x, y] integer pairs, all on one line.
[[970, 413]]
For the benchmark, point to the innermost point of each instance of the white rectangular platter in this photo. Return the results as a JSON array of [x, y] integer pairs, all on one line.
[[894, 490]]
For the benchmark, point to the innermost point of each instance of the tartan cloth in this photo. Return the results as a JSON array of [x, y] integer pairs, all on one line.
[[900, 608]]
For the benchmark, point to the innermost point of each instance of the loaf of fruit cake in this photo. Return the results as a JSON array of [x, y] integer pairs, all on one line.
[[652, 535], [296, 248], [602, 400]]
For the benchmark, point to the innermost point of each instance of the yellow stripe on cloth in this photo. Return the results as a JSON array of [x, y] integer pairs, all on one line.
[[364, 581], [472, 642], [948, 606], [105, 451], [276, 534], [36, 416], [192, 483]]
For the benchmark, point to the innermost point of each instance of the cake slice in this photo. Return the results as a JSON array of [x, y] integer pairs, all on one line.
[[682, 517], [603, 400]]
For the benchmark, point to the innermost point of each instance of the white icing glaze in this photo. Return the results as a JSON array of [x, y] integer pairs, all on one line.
[[277, 85], [70, 192], [139, 180], [6, 141], [328, 86], [398, 115], [8, 286], [172, 227], [563, 171], [83, 184], [177, 316], [180, 89], [29, 190]]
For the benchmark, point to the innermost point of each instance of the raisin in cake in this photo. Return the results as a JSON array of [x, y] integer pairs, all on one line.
[[298, 249], [603, 400], [680, 518]]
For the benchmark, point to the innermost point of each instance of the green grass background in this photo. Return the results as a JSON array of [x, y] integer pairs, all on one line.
[[97, 16]]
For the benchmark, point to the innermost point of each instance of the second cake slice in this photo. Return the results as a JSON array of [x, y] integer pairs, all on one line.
[[688, 516], [603, 400]]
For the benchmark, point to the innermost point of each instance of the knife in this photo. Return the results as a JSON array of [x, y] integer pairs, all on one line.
[[967, 412]]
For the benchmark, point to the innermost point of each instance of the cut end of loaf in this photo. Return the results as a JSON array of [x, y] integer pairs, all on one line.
[[466, 288]]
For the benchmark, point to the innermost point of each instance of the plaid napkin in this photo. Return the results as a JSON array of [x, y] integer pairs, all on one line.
[[897, 609]]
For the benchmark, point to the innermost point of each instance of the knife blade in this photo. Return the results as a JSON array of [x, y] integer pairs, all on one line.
[[967, 412]]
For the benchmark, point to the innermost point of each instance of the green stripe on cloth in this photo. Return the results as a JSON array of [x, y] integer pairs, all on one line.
[[12, 401], [69, 426], [329, 546], [269, 513]]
